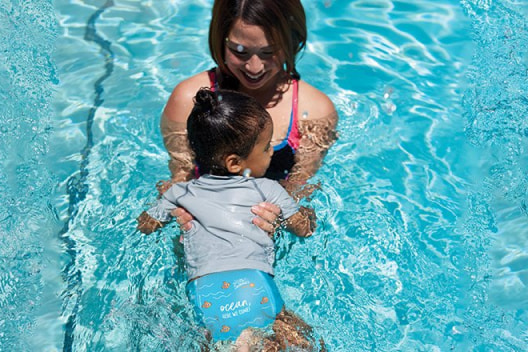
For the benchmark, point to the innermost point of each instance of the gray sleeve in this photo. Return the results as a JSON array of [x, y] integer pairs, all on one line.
[[276, 194], [168, 202]]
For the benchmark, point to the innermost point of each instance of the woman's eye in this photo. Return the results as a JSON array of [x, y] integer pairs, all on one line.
[[236, 52], [245, 55], [241, 56]]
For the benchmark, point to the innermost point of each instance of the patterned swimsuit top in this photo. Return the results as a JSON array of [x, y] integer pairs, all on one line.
[[283, 153]]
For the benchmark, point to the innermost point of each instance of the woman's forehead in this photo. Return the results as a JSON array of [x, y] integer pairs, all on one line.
[[248, 34]]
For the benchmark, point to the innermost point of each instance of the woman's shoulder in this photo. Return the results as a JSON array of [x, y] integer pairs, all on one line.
[[195, 82], [180, 102], [314, 104]]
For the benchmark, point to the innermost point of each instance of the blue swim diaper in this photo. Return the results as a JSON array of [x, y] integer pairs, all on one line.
[[228, 302]]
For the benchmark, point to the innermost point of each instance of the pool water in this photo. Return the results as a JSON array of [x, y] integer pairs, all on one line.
[[422, 239]]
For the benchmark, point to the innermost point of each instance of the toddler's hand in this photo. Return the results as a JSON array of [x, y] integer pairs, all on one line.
[[147, 224]]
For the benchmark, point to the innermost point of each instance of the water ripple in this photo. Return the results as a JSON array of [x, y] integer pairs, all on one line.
[[416, 249]]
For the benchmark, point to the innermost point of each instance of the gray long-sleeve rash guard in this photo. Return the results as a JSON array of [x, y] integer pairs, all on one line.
[[222, 236]]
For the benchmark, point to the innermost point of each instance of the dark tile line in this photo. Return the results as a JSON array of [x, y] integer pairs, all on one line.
[[77, 187]]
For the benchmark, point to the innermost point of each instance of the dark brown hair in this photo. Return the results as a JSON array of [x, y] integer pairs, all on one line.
[[222, 123], [284, 21]]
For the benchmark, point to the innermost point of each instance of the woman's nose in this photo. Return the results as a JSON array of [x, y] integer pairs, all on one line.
[[254, 65]]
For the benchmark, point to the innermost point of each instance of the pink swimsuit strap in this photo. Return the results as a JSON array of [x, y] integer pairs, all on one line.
[[294, 137], [213, 83]]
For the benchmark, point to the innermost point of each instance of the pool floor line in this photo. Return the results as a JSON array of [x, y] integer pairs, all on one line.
[[77, 187]]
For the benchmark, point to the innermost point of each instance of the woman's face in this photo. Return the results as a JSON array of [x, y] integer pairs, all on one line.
[[250, 57]]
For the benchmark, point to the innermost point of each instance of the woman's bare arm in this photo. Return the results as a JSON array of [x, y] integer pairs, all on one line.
[[177, 145], [318, 129], [174, 126], [318, 136]]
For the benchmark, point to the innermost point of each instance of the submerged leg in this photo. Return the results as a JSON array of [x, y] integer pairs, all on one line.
[[290, 330], [248, 341]]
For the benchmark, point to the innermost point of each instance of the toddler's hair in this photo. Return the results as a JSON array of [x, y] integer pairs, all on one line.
[[221, 123]]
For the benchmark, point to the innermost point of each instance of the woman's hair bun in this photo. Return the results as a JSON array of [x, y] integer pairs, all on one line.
[[205, 101]]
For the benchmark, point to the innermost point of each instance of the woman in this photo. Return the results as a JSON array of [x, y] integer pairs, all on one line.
[[255, 44]]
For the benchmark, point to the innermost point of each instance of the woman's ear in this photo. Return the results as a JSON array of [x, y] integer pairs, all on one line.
[[234, 164]]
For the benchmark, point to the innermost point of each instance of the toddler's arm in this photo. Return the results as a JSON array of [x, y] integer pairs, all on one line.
[[160, 214], [147, 224], [302, 223]]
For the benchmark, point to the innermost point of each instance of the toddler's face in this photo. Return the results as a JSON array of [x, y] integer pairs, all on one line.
[[259, 158]]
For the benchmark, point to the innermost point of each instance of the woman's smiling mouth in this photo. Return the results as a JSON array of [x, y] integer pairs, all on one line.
[[254, 78]]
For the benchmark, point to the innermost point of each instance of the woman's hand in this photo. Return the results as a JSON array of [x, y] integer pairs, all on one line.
[[266, 216], [183, 218]]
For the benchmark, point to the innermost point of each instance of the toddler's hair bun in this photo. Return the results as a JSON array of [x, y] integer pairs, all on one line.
[[205, 101]]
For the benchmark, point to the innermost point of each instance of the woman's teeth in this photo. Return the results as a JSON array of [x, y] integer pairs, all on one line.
[[254, 77]]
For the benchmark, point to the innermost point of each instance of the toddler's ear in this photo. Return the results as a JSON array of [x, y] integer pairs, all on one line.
[[234, 164]]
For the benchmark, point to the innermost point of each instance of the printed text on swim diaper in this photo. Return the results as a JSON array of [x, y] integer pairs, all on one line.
[[234, 309]]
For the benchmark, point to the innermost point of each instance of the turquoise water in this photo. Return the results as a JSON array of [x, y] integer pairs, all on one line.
[[422, 241]]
